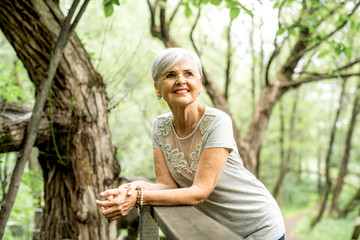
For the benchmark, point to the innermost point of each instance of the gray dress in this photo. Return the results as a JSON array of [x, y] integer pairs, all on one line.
[[239, 201]]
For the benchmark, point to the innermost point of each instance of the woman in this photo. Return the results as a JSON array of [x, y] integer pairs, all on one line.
[[196, 159]]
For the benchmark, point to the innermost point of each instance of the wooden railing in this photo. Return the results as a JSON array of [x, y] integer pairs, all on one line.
[[181, 223]]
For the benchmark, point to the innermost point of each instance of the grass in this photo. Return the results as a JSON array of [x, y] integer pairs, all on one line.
[[328, 228]]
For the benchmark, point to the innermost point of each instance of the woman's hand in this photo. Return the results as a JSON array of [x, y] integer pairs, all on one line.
[[118, 204], [131, 187]]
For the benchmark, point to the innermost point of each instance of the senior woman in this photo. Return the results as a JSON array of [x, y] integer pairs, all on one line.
[[196, 159]]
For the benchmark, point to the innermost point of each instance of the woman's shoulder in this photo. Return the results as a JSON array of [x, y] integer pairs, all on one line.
[[163, 118], [210, 111]]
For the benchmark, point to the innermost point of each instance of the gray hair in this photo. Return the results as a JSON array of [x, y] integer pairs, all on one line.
[[171, 56]]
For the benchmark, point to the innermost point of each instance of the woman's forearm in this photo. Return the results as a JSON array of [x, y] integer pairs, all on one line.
[[148, 186], [180, 196]]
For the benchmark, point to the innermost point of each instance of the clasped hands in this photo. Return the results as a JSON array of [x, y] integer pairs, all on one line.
[[120, 201]]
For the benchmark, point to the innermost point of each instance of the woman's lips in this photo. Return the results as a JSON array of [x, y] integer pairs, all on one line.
[[181, 91]]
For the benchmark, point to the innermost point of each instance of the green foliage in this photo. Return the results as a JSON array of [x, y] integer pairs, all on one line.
[[21, 221], [235, 6], [109, 6], [299, 193], [11, 78], [328, 228]]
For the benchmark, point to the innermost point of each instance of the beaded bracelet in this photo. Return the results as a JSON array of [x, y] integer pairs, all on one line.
[[140, 198]]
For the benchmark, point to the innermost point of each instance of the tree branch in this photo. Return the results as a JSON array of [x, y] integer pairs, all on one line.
[[193, 28], [277, 48], [314, 78], [32, 130], [228, 62], [175, 11], [163, 24], [339, 69], [12, 132], [152, 9], [330, 34]]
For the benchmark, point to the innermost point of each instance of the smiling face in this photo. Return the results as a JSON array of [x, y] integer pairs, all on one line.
[[180, 84]]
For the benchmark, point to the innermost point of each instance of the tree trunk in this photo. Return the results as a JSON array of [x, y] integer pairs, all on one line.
[[356, 232], [261, 116], [327, 160], [285, 164], [278, 189], [352, 204], [345, 158], [77, 157]]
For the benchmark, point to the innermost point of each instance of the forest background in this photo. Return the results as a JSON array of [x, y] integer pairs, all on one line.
[[292, 66]]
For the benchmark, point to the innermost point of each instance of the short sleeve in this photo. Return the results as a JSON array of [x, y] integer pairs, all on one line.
[[221, 133], [154, 137]]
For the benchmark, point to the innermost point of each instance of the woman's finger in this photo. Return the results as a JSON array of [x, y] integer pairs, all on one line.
[[111, 192], [132, 188], [104, 204], [125, 185]]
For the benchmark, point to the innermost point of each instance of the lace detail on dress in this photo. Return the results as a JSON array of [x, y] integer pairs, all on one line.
[[174, 156], [177, 158], [164, 127], [206, 124]]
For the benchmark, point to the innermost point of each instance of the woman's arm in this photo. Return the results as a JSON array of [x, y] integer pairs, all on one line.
[[211, 165], [165, 191], [163, 179]]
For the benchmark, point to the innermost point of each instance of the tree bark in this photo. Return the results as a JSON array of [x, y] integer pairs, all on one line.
[[78, 160], [278, 190], [328, 158], [346, 155], [352, 204], [356, 232], [260, 119], [286, 163]]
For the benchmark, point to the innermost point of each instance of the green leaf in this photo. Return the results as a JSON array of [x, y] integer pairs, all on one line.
[[188, 11], [348, 52], [215, 2], [339, 22], [234, 12], [280, 31], [353, 26], [292, 31], [116, 2], [248, 11], [108, 9], [323, 54]]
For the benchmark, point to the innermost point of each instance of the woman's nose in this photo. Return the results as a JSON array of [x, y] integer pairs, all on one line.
[[180, 79]]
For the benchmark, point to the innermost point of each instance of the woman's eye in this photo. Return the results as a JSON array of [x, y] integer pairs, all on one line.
[[170, 75], [188, 74]]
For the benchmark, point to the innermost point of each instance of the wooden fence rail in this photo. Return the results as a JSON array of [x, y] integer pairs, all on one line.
[[181, 223]]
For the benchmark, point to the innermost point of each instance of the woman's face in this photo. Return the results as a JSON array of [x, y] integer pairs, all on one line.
[[179, 85]]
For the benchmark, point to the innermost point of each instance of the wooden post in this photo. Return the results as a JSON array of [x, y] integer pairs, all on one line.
[[149, 229]]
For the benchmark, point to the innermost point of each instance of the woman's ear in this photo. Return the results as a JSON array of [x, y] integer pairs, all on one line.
[[201, 86], [156, 86]]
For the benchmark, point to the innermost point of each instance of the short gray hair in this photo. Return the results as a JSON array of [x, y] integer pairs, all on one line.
[[171, 56]]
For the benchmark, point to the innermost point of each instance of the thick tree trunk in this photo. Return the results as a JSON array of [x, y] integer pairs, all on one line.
[[78, 159], [345, 158], [251, 144]]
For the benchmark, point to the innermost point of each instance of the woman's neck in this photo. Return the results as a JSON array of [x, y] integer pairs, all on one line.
[[186, 118]]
